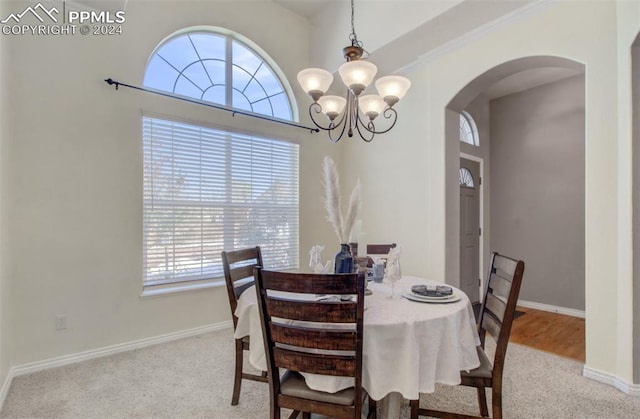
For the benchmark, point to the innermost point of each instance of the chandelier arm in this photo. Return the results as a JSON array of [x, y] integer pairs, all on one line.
[[367, 129], [332, 125], [315, 106], [368, 126], [388, 113], [336, 139]]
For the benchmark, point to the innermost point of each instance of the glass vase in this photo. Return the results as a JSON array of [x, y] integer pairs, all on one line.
[[344, 260]]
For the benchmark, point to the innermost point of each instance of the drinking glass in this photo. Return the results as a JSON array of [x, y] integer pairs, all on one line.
[[393, 274]]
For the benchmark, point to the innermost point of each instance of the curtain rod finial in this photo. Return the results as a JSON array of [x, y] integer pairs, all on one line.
[[111, 82]]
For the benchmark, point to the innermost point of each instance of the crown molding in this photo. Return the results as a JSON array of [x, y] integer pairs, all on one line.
[[481, 31]]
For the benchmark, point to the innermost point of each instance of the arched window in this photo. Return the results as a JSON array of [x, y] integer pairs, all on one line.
[[218, 68], [209, 188], [468, 129], [466, 178]]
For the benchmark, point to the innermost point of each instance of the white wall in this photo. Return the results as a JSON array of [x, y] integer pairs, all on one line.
[[74, 160], [416, 168]]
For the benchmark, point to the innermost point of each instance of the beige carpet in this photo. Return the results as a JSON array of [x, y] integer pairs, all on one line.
[[192, 378]]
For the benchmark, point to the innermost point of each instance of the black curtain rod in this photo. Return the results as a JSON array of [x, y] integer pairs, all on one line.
[[211, 105]]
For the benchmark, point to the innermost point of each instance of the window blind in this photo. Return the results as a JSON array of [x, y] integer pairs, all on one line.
[[208, 190]]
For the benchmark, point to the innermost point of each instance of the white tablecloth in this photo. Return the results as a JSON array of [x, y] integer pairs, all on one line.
[[408, 346]]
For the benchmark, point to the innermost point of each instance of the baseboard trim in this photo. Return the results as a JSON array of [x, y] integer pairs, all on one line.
[[109, 350], [553, 309], [612, 380], [5, 388]]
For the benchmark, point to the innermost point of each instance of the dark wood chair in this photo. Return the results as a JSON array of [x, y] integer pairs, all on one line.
[[310, 348], [238, 274], [496, 317], [378, 249]]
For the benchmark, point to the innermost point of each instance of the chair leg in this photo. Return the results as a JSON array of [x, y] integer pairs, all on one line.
[[415, 408], [482, 402], [306, 415], [373, 409], [237, 380], [496, 402]]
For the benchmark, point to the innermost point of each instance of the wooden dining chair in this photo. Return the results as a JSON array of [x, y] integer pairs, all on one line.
[[294, 348], [378, 249], [496, 317], [238, 274]]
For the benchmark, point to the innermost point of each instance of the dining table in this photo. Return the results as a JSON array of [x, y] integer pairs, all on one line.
[[409, 345]]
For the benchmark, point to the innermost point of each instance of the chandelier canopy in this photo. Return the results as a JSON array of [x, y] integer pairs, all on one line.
[[355, 112]]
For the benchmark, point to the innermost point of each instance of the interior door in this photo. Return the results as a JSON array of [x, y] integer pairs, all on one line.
[[470, 229]]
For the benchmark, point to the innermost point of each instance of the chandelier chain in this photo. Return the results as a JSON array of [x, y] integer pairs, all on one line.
[[353, 37]]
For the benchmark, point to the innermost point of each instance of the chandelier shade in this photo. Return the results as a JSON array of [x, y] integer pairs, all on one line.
[[332, 105], [371, 105], [357, 75], [392, 87], [315, 80], [354, 113]]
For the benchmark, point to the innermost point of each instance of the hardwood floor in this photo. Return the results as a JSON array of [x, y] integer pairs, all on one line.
[[551, 332]]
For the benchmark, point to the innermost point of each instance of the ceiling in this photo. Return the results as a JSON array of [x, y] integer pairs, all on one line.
[[306, 8], [528, 79]]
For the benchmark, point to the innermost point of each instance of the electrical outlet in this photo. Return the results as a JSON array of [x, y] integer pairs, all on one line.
[[61, 322]]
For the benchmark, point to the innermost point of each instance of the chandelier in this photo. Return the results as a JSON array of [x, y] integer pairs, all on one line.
[[355, 112]]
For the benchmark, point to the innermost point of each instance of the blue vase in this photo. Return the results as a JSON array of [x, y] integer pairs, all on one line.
[[344, 260]]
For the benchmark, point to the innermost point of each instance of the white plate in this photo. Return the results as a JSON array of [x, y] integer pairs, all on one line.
[[432, 297], [433, 300]]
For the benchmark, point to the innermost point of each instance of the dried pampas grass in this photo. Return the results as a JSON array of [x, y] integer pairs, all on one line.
[[341, 225]]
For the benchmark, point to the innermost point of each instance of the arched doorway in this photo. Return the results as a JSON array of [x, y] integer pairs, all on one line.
[[532, 147]]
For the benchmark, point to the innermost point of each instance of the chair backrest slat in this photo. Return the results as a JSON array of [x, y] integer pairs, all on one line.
[[328, 312], [240, 255], [326, 339], [241, 272], [496, 306], [338, 284], [500, 286], [379, 249], [505, 267], [336, 365], [491, 325]]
